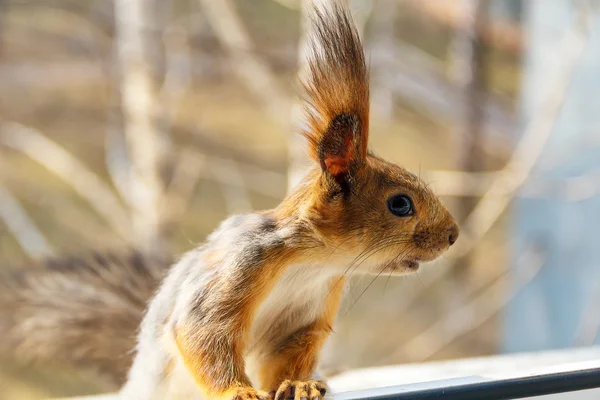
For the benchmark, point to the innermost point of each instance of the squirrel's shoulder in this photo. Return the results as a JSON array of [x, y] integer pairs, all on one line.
[[260, 229], [248, 240]]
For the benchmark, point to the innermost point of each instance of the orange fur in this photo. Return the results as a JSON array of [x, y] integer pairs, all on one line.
[[200, 362]]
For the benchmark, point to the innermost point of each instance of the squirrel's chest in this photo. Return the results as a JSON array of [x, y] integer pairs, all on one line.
[[296, 300]]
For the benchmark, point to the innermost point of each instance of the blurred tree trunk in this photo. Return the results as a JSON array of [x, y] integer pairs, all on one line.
[[469, 71], [3, 10], [382, 46], [138, 38], [298, 159]]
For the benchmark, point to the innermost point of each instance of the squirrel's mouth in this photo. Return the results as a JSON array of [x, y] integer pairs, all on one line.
[[413, 265], [407, 265], [400, 266]]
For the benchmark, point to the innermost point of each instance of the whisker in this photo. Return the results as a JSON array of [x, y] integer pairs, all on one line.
[[369, 252], [387, 280], [373, 249], [420, 281], [363, 292], [387, 265]]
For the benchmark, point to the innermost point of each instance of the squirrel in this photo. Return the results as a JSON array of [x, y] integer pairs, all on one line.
[[245, 315]]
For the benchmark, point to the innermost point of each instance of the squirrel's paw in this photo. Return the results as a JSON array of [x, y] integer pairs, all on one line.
[[301, 390], [248, 393]]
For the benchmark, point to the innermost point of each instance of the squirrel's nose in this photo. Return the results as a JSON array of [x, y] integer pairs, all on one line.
[[453, 234]]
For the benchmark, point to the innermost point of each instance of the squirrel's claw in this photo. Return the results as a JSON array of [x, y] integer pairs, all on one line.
[[248, 393], [301, 390]]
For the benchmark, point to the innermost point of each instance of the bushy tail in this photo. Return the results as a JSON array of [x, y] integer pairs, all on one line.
[[79, 311], [337, 82]]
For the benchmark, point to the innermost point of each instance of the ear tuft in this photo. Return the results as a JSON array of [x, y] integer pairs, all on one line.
[[337, 91]]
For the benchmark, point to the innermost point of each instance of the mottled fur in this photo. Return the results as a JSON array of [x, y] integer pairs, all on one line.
[[247, 312], [79, 311]]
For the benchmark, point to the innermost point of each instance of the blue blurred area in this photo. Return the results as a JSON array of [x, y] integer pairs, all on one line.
[[553, 310]]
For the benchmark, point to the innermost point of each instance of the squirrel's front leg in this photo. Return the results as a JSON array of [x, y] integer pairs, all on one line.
[[211, 337], [288, 371], [214, 357]]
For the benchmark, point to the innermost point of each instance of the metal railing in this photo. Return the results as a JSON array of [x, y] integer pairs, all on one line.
[[481, 388], [496, 377]]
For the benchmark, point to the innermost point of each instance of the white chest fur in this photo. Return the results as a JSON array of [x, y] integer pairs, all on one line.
[[296, 300]]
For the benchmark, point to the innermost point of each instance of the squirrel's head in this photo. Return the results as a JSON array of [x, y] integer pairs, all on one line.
[[373, 216], [380, 215]]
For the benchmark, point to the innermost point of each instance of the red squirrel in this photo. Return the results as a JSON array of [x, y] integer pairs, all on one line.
[[245, 315]]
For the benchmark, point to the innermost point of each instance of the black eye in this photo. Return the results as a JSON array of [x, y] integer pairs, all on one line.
[[400, 205]]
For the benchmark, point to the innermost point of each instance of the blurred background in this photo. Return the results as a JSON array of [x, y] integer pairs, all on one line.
[[143, 123]]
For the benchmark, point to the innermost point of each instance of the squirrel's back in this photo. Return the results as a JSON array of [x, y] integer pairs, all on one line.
[[81, 311]]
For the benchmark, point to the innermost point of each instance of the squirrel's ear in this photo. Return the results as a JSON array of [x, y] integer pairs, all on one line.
[[337, 92], [342, 147]]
